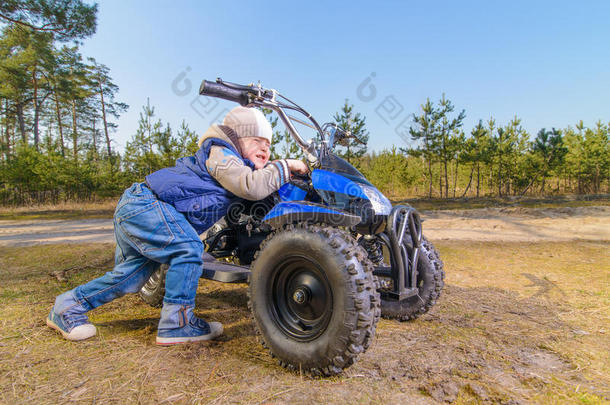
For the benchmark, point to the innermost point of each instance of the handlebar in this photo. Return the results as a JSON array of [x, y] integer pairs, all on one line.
[[252, 95], [223, 91]]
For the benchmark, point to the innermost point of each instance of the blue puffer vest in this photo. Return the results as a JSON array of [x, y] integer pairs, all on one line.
[[192, 190]]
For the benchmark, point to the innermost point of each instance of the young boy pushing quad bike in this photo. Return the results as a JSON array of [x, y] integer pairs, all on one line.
[[325, 256]]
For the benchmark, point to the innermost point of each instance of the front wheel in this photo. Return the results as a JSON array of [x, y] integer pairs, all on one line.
[[313, 298], [430, 282]]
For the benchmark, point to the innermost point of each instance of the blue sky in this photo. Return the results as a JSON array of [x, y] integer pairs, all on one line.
[[548, 62]]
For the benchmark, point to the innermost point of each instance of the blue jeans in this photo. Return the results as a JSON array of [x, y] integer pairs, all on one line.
[[148, 232]]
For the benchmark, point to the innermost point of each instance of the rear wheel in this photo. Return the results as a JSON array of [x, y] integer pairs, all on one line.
[[430, 282], [153, 291], [313, 298]]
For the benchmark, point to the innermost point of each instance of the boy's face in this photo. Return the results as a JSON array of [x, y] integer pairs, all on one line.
[[255, 149]]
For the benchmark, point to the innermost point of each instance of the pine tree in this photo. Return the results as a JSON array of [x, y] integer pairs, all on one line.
[[106, 90], [60, 86], [65, 19], [77, 92], [596, 164], [479, 149], [186, 140], [509, 146], [548, 152], [574, 141], [41, 59], [457, 147], [354, 125], [448, 128], [423, 132], [15, 80], [140, 155]]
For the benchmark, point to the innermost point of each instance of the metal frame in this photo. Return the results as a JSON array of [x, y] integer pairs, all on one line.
[[403, 259]]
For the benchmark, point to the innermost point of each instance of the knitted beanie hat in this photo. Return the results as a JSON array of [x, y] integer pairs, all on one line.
[[248, 122]]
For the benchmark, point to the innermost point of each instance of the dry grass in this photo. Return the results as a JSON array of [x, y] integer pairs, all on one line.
[[518, 323], [487, 202], [68, 210]]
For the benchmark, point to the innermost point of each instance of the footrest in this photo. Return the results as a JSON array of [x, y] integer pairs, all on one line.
[[225, 272], [403, 295]]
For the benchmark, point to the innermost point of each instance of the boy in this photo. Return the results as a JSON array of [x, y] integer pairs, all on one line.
[[159, 221]]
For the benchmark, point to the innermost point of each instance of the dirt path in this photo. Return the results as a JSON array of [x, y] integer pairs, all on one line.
[[34, 232], [489, 224], [519, 224]]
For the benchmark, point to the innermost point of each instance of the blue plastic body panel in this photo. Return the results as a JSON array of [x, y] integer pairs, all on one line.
[[290, 192], [329, 181], [284, 208], [297, 211]]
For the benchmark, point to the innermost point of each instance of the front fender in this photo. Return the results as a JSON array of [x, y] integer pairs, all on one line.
[[304, 211]]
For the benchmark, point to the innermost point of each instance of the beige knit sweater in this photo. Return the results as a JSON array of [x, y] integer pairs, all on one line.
[[232, 174]]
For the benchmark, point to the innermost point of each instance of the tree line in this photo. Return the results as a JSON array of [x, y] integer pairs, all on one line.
[[58, 113], [58, 108], [504, 159], [441, 160]]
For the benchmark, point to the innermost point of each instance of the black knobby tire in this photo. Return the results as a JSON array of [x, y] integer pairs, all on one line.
[[313, 298], [153, 291], [430, 282]]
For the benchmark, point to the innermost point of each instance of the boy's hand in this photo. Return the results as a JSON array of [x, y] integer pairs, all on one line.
[[297, 166]]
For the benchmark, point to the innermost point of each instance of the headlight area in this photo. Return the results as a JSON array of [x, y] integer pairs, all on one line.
[[380, 204]]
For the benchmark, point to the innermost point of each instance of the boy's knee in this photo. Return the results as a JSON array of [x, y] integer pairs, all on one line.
[[192, 253]]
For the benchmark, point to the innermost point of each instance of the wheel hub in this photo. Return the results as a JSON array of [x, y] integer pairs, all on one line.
[[301, 298], [302, 295]]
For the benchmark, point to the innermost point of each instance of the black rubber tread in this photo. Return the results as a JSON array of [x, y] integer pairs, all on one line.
[[153, 291], [430, 269], [350, 333]]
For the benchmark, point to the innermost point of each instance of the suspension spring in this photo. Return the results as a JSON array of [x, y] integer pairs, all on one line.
[[373, 248]]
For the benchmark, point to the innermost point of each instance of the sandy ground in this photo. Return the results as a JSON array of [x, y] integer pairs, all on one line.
[[519, 224], [489, 224], [39, 231]]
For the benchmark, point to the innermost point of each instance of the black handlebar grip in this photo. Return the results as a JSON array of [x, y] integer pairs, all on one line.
[[219, 90]]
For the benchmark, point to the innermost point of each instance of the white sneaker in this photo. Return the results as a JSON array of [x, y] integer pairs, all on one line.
[[80, 332]]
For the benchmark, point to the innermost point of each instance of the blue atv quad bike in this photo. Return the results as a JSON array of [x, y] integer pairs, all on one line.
[[324, 257]]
